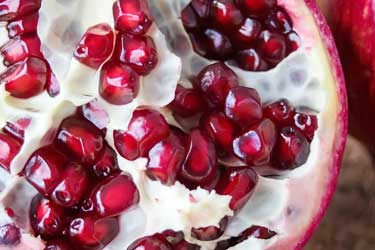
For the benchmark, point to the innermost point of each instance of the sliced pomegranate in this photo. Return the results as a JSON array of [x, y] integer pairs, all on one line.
[[165, 159], [114, 195], [215, 81], [44, 168], [72, 186], [119, 83], [46, 218], [26, 78], [91, 233], [150, 243], [23, 25], [106, 164], [187, 101], [80, 138], [138, 52], [225, 14], [280, 112], [200, 165], [58, 245], [96, 45], [239, 184], [146, 128], [307, 124], [211, 232], [10, 235], [256, 7], [255, 145], [11, 9], [132, 16], [9, 148]]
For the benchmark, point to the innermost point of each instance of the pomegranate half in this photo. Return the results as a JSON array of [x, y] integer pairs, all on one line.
[[186, 124]]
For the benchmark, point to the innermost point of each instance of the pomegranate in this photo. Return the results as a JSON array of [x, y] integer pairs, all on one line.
[[167, 124]]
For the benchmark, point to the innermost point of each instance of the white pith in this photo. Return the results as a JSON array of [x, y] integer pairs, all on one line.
[[285, 205]]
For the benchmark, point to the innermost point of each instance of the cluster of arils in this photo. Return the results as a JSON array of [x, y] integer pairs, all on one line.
[[127, 57], [256, 34], [28, 73]]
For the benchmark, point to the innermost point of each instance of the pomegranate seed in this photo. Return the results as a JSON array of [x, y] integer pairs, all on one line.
[[280, 112], [146, 128], [225, 14], [25, 79], [132, 16], [202, 8], [12, 9], [91, 233], [250, 60], [106, 163], [95, 114], [15, 130], [219, 128], [215, 81], [80, 138], [308, 124], [218, 45], [187, 102], [292, 149], [256, 7], [211, 232], [21, 47], [293, 41], [9, 148], [247, 33], [96, 45], [272, 46], [165, 160], [138, 52], [44, 168], [58, 245], [114, 195], [23, 25], [199, 43], [256, 143], [72, 186], [9, 211], [150, 243], [200, 165], [119, 83], [279, 20], [243, 106], [189, 18], [239, 184], [9, 235], [46, 218]]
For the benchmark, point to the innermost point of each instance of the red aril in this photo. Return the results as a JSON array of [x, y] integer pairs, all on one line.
[[96, 45], [293, 41], [9, 148], [225, 14], [94, 113], [272, 46], [189, 18], [202, 7], [218, 45], [250, 60], [10, 235], [280, 112], [187, 101], [150, 243], [106, 163], [247, 33], [119, 83], [278, 20], [23, 25], [17, 129], [139, 52], [308, 124], [211, 232], [132, 16], [25, 79], [11, 9]]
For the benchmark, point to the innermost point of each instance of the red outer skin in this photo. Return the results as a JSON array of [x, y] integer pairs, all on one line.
[[353, 26], [342, 128]]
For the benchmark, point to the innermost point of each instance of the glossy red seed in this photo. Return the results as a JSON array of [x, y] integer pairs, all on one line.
[[202, 8], [243, 106], [187, 102], [12, 9], [239, 184], [272, 46], [280, 112], [215, 81], [308, 124], [219, 128], [58, 245], [46, 218], [250, 60], [114, 195], [293, 41], [218, 44], [94, 113], [10, 235], [256, 7], [225, 14], [80, 138], [106, 164], [247, 33], [138, 52], [254, 146], [72, 186], [25, 79], [132, 16], [9, 148], [44, 168], [17, 129], [92, 233], [95, 46], [119, 83], [146, 128], [211, 232], [165, 160], [23, 25], [200, 165], [21, 47], [292, 149], [189, 18], [278, 20], [199, 43], [150, 243]]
